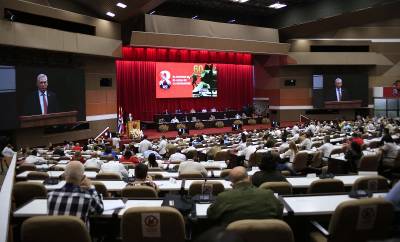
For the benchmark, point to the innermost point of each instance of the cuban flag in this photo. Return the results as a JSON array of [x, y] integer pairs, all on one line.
[[120, 121]]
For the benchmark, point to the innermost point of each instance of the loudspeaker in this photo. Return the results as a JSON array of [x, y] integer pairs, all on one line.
[[106, 82], [290, 82]]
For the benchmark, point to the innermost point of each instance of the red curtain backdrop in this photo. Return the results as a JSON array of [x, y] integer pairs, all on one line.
[[136, 88]]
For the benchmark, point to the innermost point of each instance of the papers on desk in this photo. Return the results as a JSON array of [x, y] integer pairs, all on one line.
[[113, 204], [201, 209], [143, 203]]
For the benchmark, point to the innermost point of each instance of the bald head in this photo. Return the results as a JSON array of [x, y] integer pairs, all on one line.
[[338, 82], [74, 172], [238, 174]]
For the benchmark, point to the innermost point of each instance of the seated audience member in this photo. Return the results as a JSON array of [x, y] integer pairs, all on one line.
[[327, 147], [151, 151], [174, 120], [76, 147], [352, 157], [389, 149], [244, 201], [191, 166], [78, 156], [212, 152], [114, 167], [192, 110], [289, 154], [34, 159], [8, 151], [306, 143], [128, 157], [78, 197], [162, 146], [269, 141], [393, 196], [284, 146], [355, 137], [109, 152], [151, 160], [189, 148], [145, 144], [93, 162], [177, 156], [268, 170], [141, 177]]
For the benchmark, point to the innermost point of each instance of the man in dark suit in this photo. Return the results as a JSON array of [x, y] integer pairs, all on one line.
[[41, 101], [339, 93]]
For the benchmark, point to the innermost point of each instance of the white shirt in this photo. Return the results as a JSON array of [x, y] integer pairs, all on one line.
[[213, 110], [188, 149], [177, 157], [33, 159], [390, 149], [41, 100], [306, 144], [144, 145], [339, 95], [192, 167], [204, 110], [326, 149], [115, 167], [162, 147], [288, 154], [115, 142], [7, 152], [283, 147], [174, 120], [93, 162], [248, 151]]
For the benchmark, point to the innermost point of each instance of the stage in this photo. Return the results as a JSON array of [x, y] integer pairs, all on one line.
[[155, 134]]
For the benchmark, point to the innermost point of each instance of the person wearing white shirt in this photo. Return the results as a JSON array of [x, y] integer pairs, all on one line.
[[204, 110], [326, 148], [190, 166], [213, 110], [191, 147], [290, 153], [144, 145], [192, 110], [306, 143], [114, 167], [177, 157], [115, 142], [33, 158], [295, 130], [246, 152], [7, 151], [93, 162], [284, 146], [162, 146], [390, 150], [174, 120]]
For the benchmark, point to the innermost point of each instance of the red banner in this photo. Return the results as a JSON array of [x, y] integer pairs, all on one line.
[[185, 80]]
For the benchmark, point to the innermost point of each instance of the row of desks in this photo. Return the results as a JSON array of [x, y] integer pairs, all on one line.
[[309, 205]]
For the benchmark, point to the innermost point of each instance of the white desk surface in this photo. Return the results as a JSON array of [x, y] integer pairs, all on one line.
[[318, 205], [38, 207], [50, 187], [305, 182], [56, 174]]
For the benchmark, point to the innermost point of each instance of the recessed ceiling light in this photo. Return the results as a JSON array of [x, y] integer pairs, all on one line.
[[121, 5], [240, 1], [277, 5], [111, 14], [232, 21], [195, 17], [152, 12]]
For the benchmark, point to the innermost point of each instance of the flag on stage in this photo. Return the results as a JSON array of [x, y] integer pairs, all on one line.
[[120, 121]]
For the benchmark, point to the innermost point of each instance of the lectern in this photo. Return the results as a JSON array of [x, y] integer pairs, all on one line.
[[343, 104], [48, 119]]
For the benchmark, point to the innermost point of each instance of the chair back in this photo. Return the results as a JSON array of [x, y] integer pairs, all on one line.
[[23, 192], [372, 184], [37, 175], [225, 173], [108, 176], [316, 161], [368, 163], [54, 228], [361, 220], [282, 188], [300, 161], [222, 156], [26, 167], [190, 175], [156, 176], [95, 169], [101, 188], [326, 186], [152, 224], [196, 187], [257, 230], [139, 192]]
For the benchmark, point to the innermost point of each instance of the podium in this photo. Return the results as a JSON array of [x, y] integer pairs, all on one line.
[[48, 119], [343, 104]]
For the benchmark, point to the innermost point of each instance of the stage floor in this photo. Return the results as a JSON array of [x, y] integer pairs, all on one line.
[[154, 134]]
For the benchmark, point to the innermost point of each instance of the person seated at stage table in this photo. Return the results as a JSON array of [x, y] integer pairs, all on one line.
[[212, 117], [178, 110], [174, 120], [129, 157], [237, 116], [192, 110], [161, 120], [78, 197], [114, 167], [93, 162], [33, 158], [194, 119], [204, 110], [145, 144], [213, 110], [141, 177], [191, 166], [244, 201], [177, 156], [244, 116], [268, 170], [165, 111]]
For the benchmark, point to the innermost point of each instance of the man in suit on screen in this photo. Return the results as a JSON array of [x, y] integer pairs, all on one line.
[[339, 93], [41, 101]]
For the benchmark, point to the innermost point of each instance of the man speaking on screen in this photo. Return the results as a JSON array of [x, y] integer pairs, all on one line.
[[41, 101], [339, 93]]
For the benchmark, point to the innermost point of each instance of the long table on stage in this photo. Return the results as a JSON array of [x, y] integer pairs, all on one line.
[[209, 123], [199, 116]]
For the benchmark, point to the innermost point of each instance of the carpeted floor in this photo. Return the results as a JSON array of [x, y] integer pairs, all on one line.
[[153, 133]]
